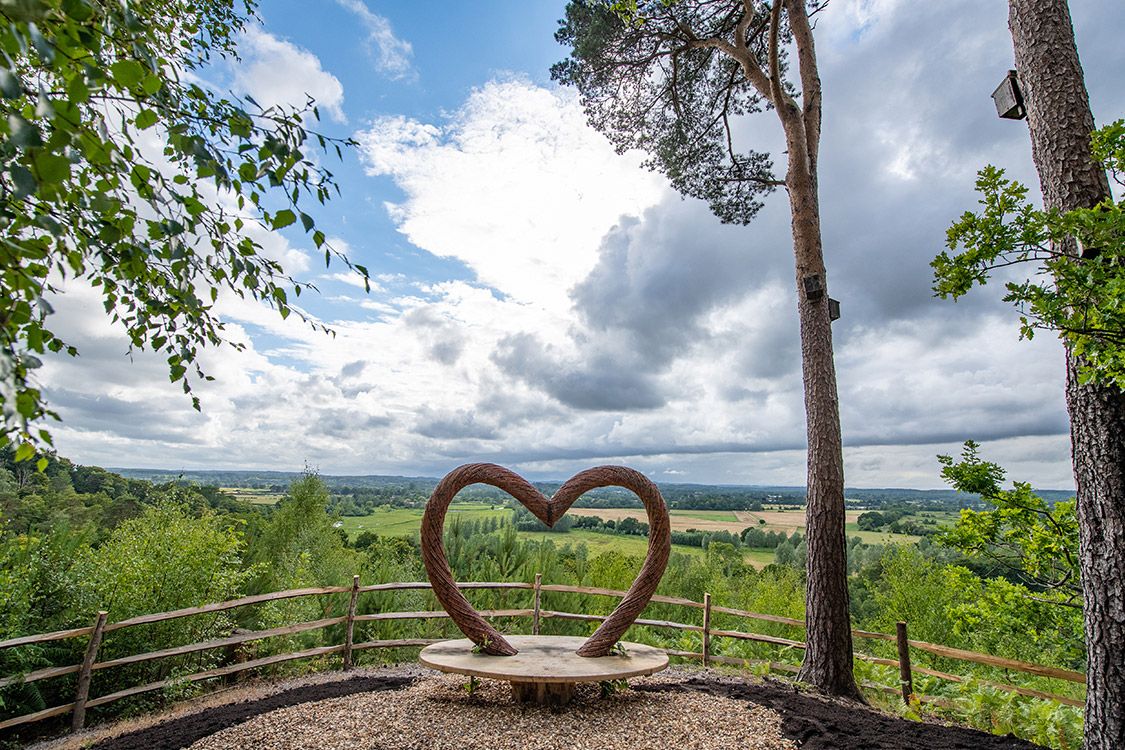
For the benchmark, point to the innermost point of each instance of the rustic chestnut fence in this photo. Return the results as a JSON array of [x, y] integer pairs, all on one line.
[[100, 626]]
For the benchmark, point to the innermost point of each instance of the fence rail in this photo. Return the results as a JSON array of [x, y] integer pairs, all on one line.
[[100, 626]]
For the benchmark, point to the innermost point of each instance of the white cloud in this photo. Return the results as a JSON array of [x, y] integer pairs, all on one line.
[[277, 72], [392, 55], [514, 184]]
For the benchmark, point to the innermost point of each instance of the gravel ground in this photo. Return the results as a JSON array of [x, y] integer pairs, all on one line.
[[394, 708], [437, 714], [181, 724]]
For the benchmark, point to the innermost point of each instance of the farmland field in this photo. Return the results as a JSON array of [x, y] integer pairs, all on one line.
[[682, 520], [787, 521], [253, 495], [633, 545], [879, 537], [406, 522], [705, 515], [703, 520]]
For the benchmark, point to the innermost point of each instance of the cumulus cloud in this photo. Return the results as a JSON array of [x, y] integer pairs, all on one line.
[[460, 424], [598, 381], [442, 337], [593, 315], [658, 276], [277, 72], [514, 185]]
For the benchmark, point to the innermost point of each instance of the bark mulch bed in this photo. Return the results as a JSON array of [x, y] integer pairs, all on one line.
[[403, 707], [818, 723]]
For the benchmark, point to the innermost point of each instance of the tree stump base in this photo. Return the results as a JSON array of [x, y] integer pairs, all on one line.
[[554, 694], [546, 670]]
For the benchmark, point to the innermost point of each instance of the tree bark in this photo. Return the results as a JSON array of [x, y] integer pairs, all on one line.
[[1060, 122], [828, 656]]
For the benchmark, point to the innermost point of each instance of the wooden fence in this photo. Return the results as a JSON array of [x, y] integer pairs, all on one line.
[[347, 649]]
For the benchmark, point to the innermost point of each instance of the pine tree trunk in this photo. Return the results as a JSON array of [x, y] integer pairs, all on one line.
[[1060, 122], [1097, 433], [828, 656]]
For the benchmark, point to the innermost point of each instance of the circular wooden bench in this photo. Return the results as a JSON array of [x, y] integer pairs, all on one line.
[[546, 668]]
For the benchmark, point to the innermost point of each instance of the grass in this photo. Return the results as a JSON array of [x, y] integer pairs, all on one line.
[[759, 558], [253, 495], [598, 543], [879, 537], [633, 545], [706, 515], [406, 521], [939, 517]]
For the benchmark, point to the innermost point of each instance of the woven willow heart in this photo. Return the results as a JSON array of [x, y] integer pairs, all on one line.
[[548, 511]]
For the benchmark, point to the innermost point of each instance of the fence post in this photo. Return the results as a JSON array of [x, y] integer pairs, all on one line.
[[349, 632], [706, 629], [904, 674], [78, 716], [536, 598]]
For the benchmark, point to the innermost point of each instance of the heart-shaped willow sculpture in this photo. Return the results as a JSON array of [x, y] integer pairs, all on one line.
[[547, 510]]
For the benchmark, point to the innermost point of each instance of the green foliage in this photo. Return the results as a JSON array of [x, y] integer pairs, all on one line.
[[919, 591], [1002, 712], [996, 616], [37, 579], [646, 83], [165, 559], [775, 590], [612, 687], [168, 558], [1083, 299], [1030, 538], [120, 170], [299, 545], [950, 604]]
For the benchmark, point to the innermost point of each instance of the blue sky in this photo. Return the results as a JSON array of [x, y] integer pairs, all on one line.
[[544, 303]]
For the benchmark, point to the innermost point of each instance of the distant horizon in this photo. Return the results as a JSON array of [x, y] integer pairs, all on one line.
[[534, 478]]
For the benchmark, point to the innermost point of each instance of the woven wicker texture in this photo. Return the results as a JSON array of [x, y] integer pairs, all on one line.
[[548, 511]]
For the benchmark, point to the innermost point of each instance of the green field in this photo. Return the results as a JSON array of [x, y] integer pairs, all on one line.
[[928, 519], [406, 521], [598, 543], [936, 517], [725, 516], [879, 537], [253, 495], [631, 545]]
